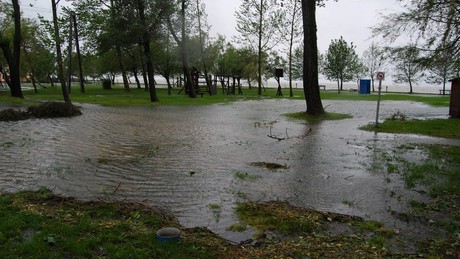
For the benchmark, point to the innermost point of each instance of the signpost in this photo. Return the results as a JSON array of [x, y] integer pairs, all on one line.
[[278, 74], [380, 77]]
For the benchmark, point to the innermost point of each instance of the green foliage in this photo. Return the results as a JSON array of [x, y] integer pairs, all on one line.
[[106, 84], [408, 67], [415, 19], [341, 62]]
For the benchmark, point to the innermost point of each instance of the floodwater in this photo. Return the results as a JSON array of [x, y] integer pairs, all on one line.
[[189, 160]]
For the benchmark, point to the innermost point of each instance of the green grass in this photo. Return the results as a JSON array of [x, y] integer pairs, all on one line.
[[139, 97], [42, 225], [444, 128], [245, 176], [430, 99], [317, 118]]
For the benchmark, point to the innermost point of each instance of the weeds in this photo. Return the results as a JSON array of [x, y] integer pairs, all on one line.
[[245, 176], [397, 116]]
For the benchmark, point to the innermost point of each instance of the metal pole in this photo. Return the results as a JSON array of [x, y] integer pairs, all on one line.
[[378, 104]]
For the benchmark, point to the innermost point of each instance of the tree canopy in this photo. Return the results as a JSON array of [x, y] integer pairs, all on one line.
[[433, 25], [341, 62]]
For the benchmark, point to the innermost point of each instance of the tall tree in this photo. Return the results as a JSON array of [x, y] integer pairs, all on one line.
[[310, 52], [441, 69], [408, 65], [37, 60], [259, 23], [117, 22], [145, 42], [182, 41], [13, 56], [434, 24], [340, 62], [57, 38], [373, 59], [203, 36], [294, 26]]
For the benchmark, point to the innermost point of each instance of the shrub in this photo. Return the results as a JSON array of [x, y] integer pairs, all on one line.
[[13, 115], [106, 84], [53, 110]]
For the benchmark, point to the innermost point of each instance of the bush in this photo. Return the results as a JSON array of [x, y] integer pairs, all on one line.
[[46, 110], [13, 115], [53, 110], [106, 84]]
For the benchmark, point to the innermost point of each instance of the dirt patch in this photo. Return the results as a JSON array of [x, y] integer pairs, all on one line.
[[46, 110]]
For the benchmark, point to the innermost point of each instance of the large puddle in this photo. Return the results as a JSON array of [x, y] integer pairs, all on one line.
[[191, 160]]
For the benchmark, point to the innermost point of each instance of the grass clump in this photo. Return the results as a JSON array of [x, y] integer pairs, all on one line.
[[279, 216], [317, 118], [245, 176]]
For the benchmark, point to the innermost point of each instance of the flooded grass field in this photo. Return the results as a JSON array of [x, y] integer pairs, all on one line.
[[199, 161]]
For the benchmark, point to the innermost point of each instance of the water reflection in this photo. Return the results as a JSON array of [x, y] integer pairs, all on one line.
[[185, 158]]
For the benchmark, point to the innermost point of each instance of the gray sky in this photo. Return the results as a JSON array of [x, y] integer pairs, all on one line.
[[351, 19]]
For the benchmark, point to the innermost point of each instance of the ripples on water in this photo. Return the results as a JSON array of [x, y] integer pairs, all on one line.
[[186, 158]]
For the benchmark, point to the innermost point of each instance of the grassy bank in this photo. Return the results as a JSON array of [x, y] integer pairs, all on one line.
[[434, 172], [43, 225], [443, 128], [139, 97]]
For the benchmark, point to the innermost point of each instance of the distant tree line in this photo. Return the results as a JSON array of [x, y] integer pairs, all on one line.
[[142, 39]]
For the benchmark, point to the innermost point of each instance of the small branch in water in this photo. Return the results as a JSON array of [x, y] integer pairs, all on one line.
[[287, 135]]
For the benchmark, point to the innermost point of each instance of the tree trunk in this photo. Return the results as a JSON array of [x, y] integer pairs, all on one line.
[[136, 78], [184, 54], [13, 58], [79, 62], [202, 43], [259, 57], [310, 70], [148, 54], [291, 48], [168, 82], [61, 76], [34, 83], [121, 63], [144, 68], [410, 86]]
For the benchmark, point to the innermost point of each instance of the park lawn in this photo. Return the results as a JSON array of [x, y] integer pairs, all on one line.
[[139, 97], [41, 224], [443, 128]]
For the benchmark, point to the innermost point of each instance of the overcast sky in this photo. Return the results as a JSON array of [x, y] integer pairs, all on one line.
[[351, 19]]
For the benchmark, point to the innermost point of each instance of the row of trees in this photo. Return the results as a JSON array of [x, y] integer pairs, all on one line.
[[409, 64], [142, 38]]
